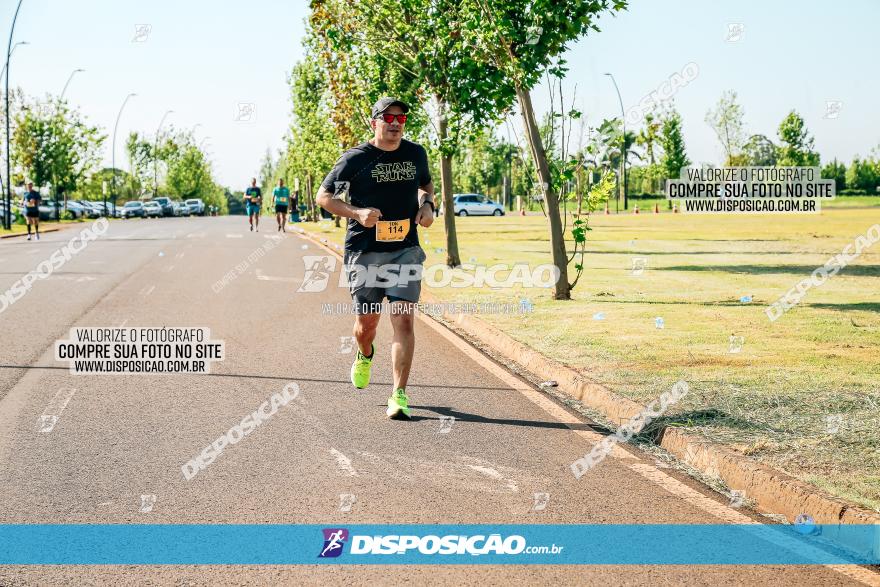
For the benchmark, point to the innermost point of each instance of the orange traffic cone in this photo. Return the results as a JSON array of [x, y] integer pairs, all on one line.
[[675, 208], [636, 211]]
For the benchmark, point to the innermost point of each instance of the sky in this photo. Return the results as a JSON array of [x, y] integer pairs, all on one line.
[[223, 66]]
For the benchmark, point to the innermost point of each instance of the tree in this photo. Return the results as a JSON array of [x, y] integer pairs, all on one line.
[[672, 142], [796, 144], [836, 171], [55, 145], [862, 175], [759, 151], [649, 139], [422, 43], [523, 42], [267, 175], [727, 122]]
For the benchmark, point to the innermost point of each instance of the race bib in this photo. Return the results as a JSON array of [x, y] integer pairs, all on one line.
[[392, 230]]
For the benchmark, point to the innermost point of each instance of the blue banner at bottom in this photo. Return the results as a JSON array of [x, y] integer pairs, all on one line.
[[603, 544]]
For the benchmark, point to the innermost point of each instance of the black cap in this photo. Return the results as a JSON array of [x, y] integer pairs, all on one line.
[[384, 104]]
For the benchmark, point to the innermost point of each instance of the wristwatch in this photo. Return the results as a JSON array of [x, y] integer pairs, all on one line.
[[433, 209]]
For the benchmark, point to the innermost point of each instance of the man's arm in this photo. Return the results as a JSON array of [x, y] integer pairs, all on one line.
[[425, 215], [338, 207]]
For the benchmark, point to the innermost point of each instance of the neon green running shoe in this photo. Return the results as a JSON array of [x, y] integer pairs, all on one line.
[[397, 405], [360, 370]]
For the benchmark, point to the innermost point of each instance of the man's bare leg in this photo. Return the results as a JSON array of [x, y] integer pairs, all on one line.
[[365, 326], [403, 343]]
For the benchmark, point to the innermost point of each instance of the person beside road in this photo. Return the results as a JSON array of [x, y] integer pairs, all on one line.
[[253, 199], [281, 199], [31, 202], [389, 185]]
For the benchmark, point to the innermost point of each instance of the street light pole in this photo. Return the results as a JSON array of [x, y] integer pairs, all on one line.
[[113, 156], [2, 73], [622, 139], [7, 221], [64, 91], [155, 155]]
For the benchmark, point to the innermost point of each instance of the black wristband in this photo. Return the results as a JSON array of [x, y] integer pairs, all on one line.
[[433, 208]]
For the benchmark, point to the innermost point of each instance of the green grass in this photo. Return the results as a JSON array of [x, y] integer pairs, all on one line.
[[771, 401]]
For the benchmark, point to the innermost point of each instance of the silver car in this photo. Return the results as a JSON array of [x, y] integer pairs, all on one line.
[[476, 205]]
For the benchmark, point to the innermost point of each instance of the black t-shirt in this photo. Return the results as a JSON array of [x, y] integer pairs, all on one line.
[[255, 194], [32, 199], [387, 180]]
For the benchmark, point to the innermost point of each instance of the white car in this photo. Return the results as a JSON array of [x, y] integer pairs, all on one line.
[[196, 206], [152, 209], [475, 205]]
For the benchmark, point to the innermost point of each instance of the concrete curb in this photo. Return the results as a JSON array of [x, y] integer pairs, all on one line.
[[17, 234], [773, 491]]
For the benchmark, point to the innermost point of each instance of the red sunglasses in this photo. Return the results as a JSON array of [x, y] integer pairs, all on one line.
[[389, 118]]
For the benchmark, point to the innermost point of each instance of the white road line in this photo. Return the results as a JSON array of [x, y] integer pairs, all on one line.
[[50, 415], [234, 236], [343, 462], [123, 323], [147, 290]]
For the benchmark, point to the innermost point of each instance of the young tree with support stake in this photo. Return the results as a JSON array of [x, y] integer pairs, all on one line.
[[424, 41], [523, 42]]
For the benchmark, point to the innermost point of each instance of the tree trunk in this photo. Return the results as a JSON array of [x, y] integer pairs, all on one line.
[[311, 201], [562, 290], [579, 183], [452, 257]]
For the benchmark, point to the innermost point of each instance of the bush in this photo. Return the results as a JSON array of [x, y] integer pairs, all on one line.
[[852, 192], [67, 215]]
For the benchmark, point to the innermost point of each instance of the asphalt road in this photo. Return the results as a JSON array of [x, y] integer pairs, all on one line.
[[118, 437]]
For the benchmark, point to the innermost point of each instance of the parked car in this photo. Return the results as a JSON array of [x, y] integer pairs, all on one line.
[[152, 209], [133, 209], [15, 212], [166, 204], [196, 206], [92, 209], [475, 205], [75, 208], [181, 209]]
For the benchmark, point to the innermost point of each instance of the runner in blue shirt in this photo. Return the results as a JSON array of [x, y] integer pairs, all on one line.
[[253, 199], [281, 196]]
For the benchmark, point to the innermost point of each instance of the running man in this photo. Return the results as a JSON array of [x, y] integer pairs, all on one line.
[[281, 199], [253, 199], [31, 202], [389, 186]]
